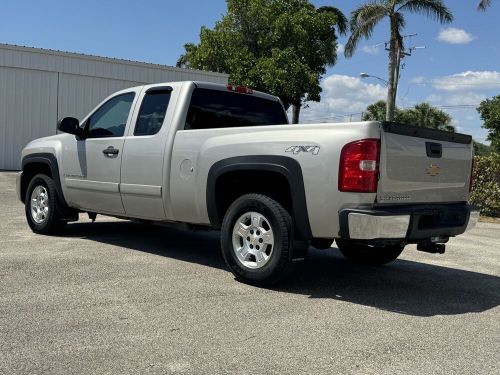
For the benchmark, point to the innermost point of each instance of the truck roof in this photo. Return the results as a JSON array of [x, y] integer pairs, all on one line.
[[213, 86]]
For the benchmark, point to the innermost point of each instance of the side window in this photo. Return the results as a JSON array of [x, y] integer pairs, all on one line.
[[111, 118], [152, 112], [212, 109]]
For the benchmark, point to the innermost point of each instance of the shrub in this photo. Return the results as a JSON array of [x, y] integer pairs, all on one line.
[[486, 187]]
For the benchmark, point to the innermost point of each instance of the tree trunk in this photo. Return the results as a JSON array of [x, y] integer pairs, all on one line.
[[393, 57], [396, 79], [296, 112]]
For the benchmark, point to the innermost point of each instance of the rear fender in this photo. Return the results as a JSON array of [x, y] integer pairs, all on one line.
[[286, 166]]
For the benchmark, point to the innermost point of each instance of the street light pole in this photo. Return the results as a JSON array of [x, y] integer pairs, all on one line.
[[366, 75]]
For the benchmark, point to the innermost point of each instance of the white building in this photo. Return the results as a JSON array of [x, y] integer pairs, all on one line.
[[38, 87]]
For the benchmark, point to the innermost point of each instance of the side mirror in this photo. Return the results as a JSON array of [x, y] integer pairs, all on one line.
[[70, 125]]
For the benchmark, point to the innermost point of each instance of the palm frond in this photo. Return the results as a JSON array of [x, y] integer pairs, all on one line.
[[430, 8], [483, 5], [342, 21], [363, 21], [183, 60]]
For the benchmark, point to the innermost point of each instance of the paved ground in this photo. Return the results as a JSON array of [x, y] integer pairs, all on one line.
[[115, 297]]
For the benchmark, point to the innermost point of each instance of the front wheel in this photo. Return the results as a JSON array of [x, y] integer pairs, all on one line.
[[369, 255], [257, 240], [41, 206]]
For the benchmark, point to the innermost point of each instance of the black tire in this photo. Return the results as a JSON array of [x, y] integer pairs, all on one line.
[[52, 222], [369, 255], [279, 264], [322, 243]]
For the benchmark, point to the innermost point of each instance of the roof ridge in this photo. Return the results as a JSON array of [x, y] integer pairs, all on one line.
[[97, 57]]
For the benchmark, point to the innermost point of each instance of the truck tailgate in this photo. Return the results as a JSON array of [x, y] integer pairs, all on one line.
[[419, 165]]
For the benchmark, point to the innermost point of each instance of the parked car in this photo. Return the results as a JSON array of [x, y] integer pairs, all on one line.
[[225, 157]]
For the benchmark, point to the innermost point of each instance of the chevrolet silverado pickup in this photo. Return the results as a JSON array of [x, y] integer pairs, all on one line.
[[225, 157]]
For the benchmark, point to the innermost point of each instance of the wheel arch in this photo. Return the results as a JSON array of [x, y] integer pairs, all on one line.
[[287, 171], [44, 163]]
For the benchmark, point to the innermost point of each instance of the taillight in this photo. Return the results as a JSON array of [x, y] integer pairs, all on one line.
[[358, 169]]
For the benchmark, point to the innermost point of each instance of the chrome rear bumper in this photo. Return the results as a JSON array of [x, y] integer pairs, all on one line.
[[369, 227], [411, 223]]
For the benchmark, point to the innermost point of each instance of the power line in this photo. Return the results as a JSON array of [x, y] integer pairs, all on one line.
[[458, 106], [455, 84], [350, 115]]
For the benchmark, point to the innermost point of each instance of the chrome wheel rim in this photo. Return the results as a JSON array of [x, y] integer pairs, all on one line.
[[253, 240], [39, 204]]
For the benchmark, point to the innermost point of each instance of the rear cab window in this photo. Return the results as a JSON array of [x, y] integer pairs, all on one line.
[[212, 109], [152, 112]]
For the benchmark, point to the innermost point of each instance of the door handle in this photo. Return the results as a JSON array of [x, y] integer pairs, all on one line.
[[434, 150], [110, 151]]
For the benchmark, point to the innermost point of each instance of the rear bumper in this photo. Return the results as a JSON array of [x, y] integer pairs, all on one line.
[[411, 223]]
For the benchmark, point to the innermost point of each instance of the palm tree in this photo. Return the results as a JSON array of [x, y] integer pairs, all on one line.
[[367, 16], [375, 112], [484, 4], [426, 116], [342, 22], [423, 115]]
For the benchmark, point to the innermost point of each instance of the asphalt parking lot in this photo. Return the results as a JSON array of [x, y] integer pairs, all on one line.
[[115, 297]]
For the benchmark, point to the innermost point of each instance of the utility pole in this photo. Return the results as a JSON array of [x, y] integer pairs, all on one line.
[[400, 54]]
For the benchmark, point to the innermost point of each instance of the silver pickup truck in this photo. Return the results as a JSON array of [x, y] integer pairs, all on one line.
[[225, 157]]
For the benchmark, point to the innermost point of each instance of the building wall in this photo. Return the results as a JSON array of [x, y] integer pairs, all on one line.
[[37, 87]]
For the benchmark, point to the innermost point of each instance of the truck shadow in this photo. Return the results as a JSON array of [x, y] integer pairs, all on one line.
[[404, 287]]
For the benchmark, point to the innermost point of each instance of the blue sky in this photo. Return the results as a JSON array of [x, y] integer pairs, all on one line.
[[460, 65]]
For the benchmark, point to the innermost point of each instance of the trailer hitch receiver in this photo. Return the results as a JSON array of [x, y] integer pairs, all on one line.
[[433, 245]]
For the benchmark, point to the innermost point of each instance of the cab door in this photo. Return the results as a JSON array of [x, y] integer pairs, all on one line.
[[91, 166], [143, 183]]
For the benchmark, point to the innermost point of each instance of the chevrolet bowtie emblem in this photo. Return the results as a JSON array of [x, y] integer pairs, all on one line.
[[433, 170]]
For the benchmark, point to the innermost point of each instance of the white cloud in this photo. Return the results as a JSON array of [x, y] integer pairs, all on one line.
[[433, 99], [343, 95], [466, 98], [452, 35], [418, 79], [340, 48], [466, 81], [456, 99], [371, 50]]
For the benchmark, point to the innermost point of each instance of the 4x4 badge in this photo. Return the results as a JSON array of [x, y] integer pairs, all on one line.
[[307, 149]]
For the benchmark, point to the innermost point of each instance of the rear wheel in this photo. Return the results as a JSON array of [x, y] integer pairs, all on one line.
[[257, 240], [369, 255], [41, 206]]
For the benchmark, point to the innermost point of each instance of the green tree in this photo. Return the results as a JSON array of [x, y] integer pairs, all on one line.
[[377, 112], [426, 116], [367, 16], [279, 46], [423, 115], [486, 185], [481, 149], [489, 110], [483, 5]]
